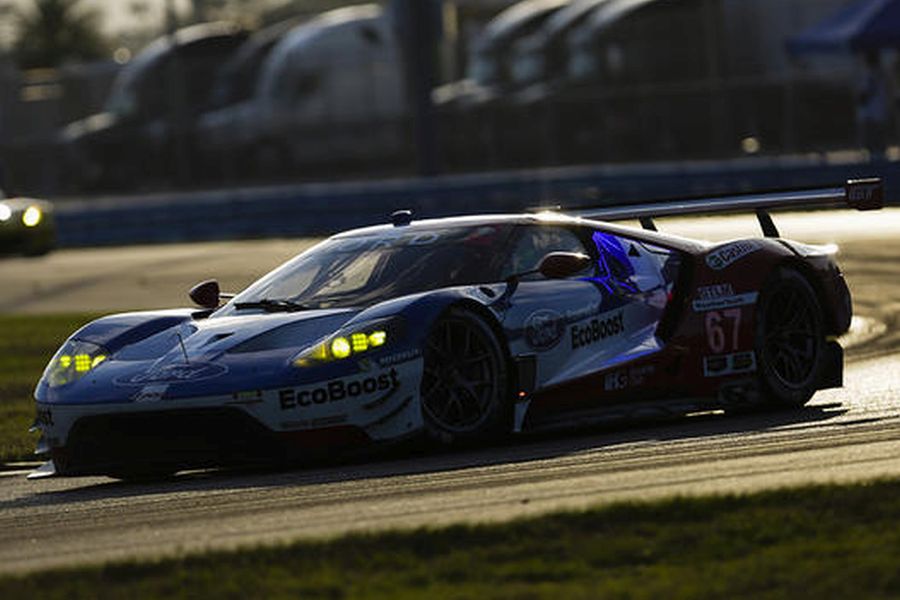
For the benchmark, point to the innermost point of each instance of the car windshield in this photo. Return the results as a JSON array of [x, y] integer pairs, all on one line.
[[359, 270]]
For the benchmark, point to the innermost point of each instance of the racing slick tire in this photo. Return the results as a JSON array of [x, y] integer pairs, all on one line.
[[465, 382], [789, 339]]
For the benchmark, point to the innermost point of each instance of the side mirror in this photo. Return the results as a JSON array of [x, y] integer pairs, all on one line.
[[206, 293], [559, 265], [555, 265]]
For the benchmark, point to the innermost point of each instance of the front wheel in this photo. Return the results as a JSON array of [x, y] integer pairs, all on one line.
[[465, 384], [790, 339]]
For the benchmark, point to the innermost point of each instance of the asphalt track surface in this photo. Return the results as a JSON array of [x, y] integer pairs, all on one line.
[[850, 434]]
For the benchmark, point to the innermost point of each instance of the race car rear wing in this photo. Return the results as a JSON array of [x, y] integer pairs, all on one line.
[[861, 194]]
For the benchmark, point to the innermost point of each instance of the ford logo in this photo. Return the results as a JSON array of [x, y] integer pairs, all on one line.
[[544, 329], [175, 373]]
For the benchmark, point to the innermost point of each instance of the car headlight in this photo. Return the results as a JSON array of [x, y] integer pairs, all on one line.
[[5, 213], [73, 361], [352, 341], [32, 216]]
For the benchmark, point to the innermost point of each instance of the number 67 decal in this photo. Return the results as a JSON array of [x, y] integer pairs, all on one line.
[[718, 330]]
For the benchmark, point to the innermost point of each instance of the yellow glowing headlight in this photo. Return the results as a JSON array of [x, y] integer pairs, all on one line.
[[73, 361], [340, 348], [351, 342], [82, 363], [360, 342], [32, 216]]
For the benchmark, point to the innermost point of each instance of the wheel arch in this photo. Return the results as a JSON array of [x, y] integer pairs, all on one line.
[[498, 416], [489, 317], [795, 381], [808, 272], [494, 323]]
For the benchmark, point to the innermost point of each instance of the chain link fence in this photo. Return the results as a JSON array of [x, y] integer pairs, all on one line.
[[333, 118]]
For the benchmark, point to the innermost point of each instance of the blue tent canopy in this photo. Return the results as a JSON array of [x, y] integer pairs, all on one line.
[[860, 26]]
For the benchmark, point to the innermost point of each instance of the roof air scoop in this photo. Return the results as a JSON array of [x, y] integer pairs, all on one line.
[[401, 218]]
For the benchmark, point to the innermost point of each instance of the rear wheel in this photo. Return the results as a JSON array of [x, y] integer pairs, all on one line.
[[465, 388], [790, 339]]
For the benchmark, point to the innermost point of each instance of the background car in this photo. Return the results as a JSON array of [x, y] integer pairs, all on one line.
[[26, 226]]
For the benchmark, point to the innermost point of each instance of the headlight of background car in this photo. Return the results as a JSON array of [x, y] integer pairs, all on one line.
[[73, 361], [32, 216], [352, 341]]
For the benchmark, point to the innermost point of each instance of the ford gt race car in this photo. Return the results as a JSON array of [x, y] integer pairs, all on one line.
[[459, 330]]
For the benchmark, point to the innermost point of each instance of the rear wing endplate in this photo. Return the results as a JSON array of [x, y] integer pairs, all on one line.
[[861, 194]]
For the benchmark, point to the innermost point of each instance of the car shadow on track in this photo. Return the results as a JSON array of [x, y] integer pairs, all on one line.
[[416, 458]]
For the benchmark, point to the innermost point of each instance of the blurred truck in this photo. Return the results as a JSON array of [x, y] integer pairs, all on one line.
[[540, 59], [329, 95], [620, 80], [650, 77], [469, 119], [145, 132], [489, 70], [224, 133]]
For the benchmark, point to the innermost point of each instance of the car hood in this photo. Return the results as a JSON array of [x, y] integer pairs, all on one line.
[[180, 357], [209, 338]]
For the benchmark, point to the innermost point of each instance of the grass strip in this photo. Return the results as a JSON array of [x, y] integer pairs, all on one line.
[[813, 542], [26, 345]]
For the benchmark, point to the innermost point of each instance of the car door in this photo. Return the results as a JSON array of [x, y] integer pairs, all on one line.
[[636, 279], [593, 320]]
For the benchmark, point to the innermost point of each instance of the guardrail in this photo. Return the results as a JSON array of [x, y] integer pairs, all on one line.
[[318, 209]]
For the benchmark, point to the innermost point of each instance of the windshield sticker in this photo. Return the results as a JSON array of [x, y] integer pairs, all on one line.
[[726, 255], [482, 236], [368, 244], [419, 239]]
